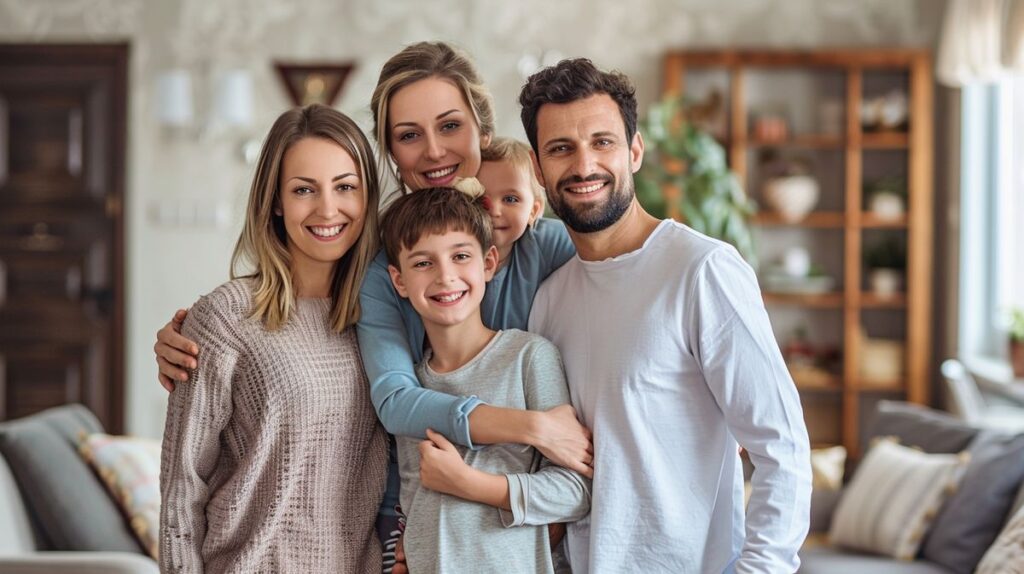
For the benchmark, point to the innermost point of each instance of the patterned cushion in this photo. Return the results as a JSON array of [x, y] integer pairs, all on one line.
[[1006, 555], [893, 497], [130, 468]]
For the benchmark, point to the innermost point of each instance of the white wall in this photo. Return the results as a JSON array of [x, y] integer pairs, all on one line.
[[170, 265]]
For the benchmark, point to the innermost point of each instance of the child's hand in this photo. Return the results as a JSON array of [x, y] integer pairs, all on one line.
[[441, 466]]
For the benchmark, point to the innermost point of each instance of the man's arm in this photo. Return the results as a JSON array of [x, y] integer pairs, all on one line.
[[751, 384]]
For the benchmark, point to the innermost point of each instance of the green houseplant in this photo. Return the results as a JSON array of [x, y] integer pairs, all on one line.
[[1017, 341], [886, 262], [685, 172]]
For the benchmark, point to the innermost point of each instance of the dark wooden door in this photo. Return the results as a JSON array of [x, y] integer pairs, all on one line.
[[62, 150]]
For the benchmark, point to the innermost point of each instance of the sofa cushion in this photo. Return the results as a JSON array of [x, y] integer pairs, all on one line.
[[66, 499], [826, 560], [15, 527], [130, 467], [1006, 555], [888, 506], [917, 426], [973, 516]]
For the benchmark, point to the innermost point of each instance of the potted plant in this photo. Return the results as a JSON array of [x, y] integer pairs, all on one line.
[[886, 262], [1017, 341], [685, 172], [887, 197]]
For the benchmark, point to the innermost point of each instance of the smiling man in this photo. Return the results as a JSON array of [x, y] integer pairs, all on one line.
[[669, 354]]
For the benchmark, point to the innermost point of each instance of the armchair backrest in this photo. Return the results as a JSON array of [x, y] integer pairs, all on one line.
[[963, 396]]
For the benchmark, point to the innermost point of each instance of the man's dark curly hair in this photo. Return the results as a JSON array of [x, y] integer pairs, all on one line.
[[572, 80]]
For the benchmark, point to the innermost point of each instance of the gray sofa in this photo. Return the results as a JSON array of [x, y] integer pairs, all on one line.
[[991, 492], [55, 514]]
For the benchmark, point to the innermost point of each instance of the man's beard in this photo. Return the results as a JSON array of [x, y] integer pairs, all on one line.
[[596, 216]]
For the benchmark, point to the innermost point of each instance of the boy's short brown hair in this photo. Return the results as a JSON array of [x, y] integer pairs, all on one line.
[[516, 153], [436, 210]]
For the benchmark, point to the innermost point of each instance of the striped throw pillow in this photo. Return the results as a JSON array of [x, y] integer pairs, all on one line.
[[893, 498]]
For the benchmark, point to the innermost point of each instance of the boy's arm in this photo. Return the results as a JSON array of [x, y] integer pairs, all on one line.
[[547, 494], [746, 374], [196, 415], [550, 493], [442, 469]]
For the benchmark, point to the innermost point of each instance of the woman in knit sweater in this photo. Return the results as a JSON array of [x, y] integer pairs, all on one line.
[[274, 460]]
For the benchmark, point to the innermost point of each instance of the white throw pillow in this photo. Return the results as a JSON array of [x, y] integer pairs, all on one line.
[[893, 497]]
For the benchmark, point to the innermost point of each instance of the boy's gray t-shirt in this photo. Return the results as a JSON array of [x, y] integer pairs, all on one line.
[[444, 533]]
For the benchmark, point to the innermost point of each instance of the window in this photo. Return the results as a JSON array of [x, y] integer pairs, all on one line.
[[991, 216]]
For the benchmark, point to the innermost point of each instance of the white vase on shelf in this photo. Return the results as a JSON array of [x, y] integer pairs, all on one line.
[[792, 196]]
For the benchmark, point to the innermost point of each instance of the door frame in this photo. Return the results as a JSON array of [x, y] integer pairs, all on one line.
[[114, 58]]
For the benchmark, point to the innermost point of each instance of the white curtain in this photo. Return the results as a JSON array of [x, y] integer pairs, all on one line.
[[982, 41]]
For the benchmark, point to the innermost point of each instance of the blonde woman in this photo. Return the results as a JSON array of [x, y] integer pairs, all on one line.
[[274, 459]]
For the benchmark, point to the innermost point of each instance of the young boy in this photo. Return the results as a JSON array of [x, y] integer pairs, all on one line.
[[459, 502]]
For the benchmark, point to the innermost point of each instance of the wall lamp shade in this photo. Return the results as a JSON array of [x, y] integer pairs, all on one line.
[[174, 98], [233, 98], [319, 83]]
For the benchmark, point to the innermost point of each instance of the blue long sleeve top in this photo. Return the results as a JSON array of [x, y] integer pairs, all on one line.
[[391, 334]]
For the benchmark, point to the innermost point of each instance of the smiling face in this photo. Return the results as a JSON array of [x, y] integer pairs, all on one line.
[[509, 200], [444, 277], [432, 134], [586, 163], [322, 203]]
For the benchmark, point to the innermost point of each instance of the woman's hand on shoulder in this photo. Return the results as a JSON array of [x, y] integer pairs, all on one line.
[[174, 352]]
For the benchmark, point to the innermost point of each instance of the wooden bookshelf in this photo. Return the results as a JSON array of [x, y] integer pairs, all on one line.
[[841, 214]]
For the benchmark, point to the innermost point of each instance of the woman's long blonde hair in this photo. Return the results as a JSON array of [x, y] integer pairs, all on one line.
[[262, 247], [417, 62]]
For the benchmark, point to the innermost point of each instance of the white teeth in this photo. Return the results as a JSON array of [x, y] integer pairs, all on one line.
[[441, 172], [327, 231], [450, 298], [588, 189]]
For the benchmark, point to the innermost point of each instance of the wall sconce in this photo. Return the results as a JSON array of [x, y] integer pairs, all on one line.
[[174, 98], [313, 83], [230, 97]]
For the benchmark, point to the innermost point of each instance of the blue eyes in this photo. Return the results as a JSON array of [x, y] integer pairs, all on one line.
[[445, 127]]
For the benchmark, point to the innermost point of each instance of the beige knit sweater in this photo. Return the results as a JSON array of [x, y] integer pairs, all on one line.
[[273, 458]]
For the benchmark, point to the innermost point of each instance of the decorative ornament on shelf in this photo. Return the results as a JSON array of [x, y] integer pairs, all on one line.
[[888, 112], [770, 125], [684, 172], [796, 274], [789, 188]]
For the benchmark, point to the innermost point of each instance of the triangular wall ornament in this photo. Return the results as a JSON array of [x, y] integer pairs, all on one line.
[[313, 83]]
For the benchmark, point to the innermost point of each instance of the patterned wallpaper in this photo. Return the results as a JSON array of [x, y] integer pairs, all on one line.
[[170, 265]]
